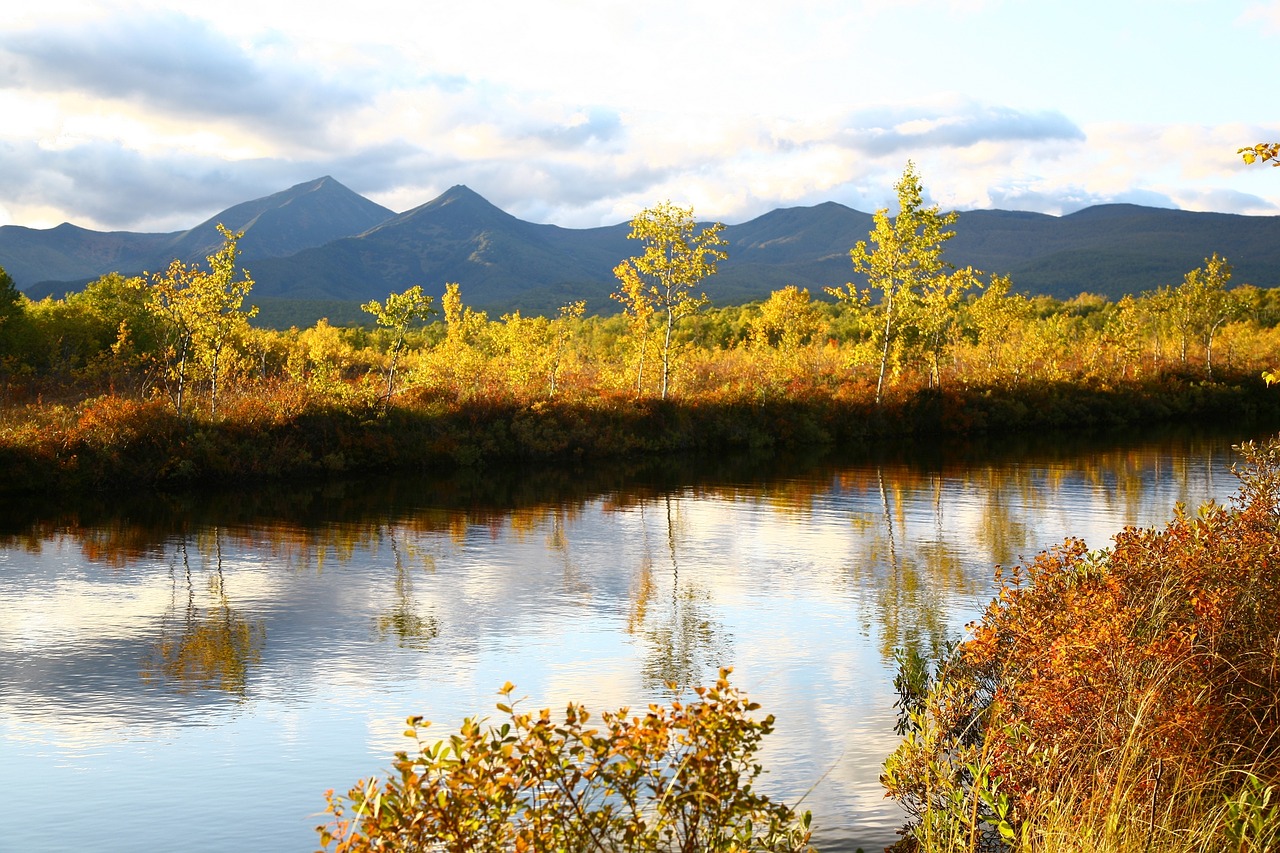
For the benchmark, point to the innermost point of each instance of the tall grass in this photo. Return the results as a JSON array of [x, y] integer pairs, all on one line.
[[1118, 700], [1137, 808]]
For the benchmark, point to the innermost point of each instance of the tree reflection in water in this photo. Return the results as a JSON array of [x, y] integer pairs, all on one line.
[[923, 532], [391, 597], [402, 620], [909, 577], [684, 643], [203, 647]]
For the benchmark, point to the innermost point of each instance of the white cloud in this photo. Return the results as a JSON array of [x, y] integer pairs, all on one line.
[[1224, 201], [131, 114], [952, 123], [176, 65], [1264, 14]]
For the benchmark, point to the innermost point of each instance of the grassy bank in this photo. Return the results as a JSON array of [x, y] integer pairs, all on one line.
[[284, 431]]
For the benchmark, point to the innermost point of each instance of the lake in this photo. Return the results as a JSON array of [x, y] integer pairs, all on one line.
[[193, 672]]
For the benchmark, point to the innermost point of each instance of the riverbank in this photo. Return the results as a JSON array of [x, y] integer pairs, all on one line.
[[1121, 699], [281, 433]]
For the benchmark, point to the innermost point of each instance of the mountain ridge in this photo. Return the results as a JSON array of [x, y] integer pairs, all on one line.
[[307, 214], [319, 240]]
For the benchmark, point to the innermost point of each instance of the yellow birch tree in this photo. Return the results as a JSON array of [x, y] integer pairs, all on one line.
[[398, 313], [904, 261], [662, 279], [202, 312]]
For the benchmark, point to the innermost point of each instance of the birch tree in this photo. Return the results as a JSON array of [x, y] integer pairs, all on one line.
[[1203, 304], [398, 314], [202, 313], [662, 279], [905, 260]]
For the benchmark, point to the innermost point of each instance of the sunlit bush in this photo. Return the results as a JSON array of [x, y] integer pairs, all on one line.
[[1135, 690], [674, 778]]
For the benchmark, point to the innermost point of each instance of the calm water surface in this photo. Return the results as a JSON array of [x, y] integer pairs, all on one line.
[[193, 673]]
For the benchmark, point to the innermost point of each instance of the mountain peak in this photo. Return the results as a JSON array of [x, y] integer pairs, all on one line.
[[1113, 210], [461, 193], [324, 182], [308, 214], [463, 204], [319, 239]]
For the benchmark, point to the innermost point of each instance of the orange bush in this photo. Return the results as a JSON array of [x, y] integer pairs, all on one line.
[[1157, 658]]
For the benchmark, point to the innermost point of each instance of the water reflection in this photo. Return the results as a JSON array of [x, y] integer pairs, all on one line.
[[684, 643], [302, 626], [203, 647], [403, 619], [911, 575]]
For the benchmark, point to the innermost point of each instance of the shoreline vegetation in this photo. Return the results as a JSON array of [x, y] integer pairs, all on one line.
[[110, 442], [1113, 700], [160, 381], [1119, 699]]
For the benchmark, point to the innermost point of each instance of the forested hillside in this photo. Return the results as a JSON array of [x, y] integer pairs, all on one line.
[[320, 250]]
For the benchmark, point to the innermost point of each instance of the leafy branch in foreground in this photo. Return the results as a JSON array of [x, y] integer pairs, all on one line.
[[675, 778], [1263, 152]]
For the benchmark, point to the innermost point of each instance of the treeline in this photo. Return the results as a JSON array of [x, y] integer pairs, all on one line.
[[114, 338], [168, 367]]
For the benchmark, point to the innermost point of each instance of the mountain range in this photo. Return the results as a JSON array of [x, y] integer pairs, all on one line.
[[319, 246]]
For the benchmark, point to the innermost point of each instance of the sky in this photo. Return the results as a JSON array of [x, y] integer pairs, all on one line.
[[154, 116]]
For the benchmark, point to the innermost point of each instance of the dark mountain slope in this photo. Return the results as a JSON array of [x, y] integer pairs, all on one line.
[[68, 252], [43, 262], [1114, 249], [504, 263], [457, 237], [303, 216], [789, 234]]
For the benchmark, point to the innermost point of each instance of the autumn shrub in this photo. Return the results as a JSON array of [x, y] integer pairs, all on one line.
[[674, 778], [98, 441], [1136, 688], [273, 428]]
